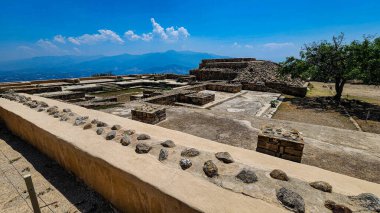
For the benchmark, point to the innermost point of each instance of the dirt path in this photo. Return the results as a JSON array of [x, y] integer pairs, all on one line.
[[57, 190]]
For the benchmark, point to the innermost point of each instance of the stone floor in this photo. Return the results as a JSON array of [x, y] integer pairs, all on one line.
[[57, 190]]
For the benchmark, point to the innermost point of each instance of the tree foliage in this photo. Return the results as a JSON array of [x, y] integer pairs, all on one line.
[[336, 61]]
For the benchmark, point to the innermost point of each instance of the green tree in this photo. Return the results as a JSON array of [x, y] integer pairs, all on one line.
[[335, 61]]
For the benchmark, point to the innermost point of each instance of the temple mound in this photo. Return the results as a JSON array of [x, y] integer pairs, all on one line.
[[251, 73]]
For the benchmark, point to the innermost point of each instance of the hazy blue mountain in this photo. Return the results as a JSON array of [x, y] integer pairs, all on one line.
[[49, 67]]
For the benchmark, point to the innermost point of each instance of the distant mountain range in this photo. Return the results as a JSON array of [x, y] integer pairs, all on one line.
[[51, 67]]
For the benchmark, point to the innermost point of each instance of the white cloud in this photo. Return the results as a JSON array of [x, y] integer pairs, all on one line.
[[102, 36], [168, 34], [248, 46], [46, 44], [236, 45], [278, 45], [59, 39]]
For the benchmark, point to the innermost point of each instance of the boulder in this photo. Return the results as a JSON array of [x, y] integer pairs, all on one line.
[[210, 169], [168, 144], [163, 155], [291, 200], [130, 132], [321, 185], [225, 157], [116, 127], [99, 131], [190, 152], [101, 124], [125, 141], [185, 163], [142, 148], [337, 208], [247, 176], [368, 201], [143, 137], [87, 126], [279, 175], [111, 135], [66, 110]]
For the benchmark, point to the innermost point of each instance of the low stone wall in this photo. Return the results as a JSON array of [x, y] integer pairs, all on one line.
[[221, 65], [276, 87], [223, 87], [149, 114], [228, 60], [206, 75], [282, 143], [197, 98], [37, 90], [65, 95]]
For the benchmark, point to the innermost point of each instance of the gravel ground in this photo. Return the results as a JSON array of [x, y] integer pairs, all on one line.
[[57, 190]]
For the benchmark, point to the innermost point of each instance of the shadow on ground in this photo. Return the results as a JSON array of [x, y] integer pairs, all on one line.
[[75, 191]]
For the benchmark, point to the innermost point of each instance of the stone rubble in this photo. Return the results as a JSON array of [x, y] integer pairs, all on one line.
[[291, 200], [337, 208], [142, 148], [125, 140], [225, 157], [279, 175], [322, 186], [247, 176], [168, 144], [143, 137], [185, 163], [190, 152], [163, 155], [210, 169], [111, 135]]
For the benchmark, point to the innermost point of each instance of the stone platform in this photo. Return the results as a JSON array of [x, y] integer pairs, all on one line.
[[132, 177]]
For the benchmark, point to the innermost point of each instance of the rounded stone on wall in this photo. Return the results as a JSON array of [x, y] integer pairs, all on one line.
[[322, 186], [279, 175]]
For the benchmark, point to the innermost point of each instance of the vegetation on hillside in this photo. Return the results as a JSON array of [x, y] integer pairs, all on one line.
[[337, 61]]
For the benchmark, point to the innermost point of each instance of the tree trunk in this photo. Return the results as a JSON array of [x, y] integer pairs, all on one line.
[[339, 84]]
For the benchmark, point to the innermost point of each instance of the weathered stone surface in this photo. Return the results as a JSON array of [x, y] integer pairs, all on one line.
[[111, 135], [163, 155], [210, 169], [125, 141], [190, 152], [185, 163], [56, 115], [225, 157], [368, 201], [64, 118], [116, 127], [142, 148], [87, 126], [279, 175], [143, 137], [78, 122], [168, 144], [130, 132], [94, 121], [247, 176], [66, 110], [321, 185], [336, 208], [291, 200], [52, 110], [40, 109], [101, 124], [99, 131]]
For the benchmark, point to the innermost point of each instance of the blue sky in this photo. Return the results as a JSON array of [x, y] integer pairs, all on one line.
[[243, 28]]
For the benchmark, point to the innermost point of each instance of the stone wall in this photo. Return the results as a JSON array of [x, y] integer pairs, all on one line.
[[197, 98], [276, 87], [149, 114], [280, 142], [224, 87], [221, 65], [65, 95], [202, 75], [36, 90]]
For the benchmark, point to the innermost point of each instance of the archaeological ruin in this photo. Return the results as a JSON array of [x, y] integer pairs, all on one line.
[[203, 142]]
